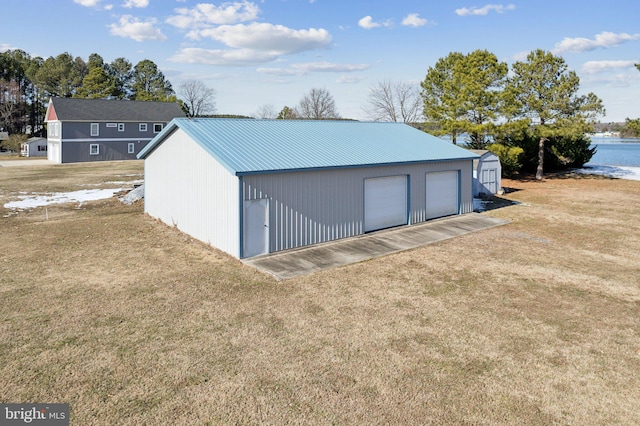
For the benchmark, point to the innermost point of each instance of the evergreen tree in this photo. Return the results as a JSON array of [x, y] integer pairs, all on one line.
[[149, 84], [544, 92]]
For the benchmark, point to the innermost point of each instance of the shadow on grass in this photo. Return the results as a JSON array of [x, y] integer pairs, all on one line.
[[564, 174], [485, 203]]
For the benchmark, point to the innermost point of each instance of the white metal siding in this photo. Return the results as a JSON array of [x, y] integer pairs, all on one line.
[[186, 187], [317, 206]]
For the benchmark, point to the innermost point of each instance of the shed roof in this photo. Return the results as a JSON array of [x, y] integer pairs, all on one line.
[[80, 109], [246, 146]]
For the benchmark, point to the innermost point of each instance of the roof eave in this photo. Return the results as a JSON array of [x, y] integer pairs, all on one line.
[[351, 166], [157, 140]]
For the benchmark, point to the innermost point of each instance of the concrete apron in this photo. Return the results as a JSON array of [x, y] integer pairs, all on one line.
[[306, 260]]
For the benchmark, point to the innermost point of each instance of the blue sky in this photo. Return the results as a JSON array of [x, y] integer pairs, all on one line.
[[262, 52]]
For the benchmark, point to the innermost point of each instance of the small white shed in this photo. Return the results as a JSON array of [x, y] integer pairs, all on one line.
[[34, 147], [487, 173]]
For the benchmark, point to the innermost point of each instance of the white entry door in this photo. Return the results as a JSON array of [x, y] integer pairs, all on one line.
[[385, 202], [442, 194], [256, 227], [53, 152], [489, 180]]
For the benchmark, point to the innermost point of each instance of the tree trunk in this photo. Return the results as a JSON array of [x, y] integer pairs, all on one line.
[[453, 137], [540, 169]]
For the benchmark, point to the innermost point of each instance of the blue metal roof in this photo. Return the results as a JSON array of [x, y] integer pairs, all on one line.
[[246, 146]]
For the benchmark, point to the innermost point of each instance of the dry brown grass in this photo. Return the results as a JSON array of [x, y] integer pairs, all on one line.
[[132, 322]]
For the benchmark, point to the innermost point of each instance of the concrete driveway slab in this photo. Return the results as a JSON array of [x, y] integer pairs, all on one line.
[[306, 260]]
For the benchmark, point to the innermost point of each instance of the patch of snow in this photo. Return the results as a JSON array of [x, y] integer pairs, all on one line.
[[116, 182], [620, 172], [39, 200]]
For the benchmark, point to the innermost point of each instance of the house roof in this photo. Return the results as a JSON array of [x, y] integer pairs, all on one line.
[[76, 109], [246, 146], [35, 140]]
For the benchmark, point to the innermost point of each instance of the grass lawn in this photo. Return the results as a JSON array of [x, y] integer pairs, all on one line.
[[131, 322]]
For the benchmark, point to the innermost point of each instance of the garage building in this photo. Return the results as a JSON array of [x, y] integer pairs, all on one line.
[[250, 187]]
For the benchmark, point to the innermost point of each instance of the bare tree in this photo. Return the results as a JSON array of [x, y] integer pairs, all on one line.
[[198, 99], [318, 104], [394, 101], [266, 111]]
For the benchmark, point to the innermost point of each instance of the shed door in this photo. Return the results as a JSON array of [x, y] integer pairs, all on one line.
[[256, 227], [385, 202], [442, 194], [489, 180]]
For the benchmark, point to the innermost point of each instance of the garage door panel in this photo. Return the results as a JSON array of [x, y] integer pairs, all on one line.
[[442, 194], [385, 202]]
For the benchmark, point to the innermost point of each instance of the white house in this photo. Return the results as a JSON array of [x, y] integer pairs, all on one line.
[[250, 187], [487, 173], [34, 147]]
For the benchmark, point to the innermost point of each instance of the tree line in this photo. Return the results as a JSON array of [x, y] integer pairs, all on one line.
[[531, 114], [27, 83]]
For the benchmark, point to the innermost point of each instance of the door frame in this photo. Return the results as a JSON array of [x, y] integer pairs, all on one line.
[[405, 177], [257, 229]]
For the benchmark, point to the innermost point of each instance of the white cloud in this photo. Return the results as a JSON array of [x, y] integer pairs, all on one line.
[[414, 20], [252, 44], [628, 79], [309, 67], [130, 27], [603, 40], [368, 23], [283, 72], [482, 11], [593, 67], [268, 37], [136, 3], [521, 56], [349, 79], [238, 57], [207, 14], [87, 3], [331, 67]]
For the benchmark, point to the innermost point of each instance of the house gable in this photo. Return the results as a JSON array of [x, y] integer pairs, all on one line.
[[51, 113]]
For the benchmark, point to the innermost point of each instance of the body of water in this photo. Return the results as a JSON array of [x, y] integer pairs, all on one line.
[[615, 152]]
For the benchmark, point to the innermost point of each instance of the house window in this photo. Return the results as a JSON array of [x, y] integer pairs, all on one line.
[[94, 149], [121, 127], [95, 129], [54, 129], [131, 148], [142, 127], [42, 147], [157, 127]]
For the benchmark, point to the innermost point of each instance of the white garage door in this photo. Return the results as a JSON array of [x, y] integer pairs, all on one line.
[[442, 194], [385, 202]]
